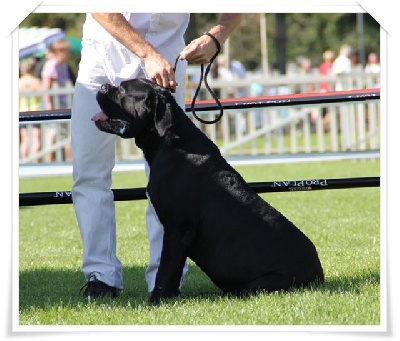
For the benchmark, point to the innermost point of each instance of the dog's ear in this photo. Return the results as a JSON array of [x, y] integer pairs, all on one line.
[[163, 115]]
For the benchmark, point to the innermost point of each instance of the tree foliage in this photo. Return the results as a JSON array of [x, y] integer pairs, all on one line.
[[307, 34]]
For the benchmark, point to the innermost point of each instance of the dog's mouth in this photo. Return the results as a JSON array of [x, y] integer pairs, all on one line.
[[113, 125], [108, 123]]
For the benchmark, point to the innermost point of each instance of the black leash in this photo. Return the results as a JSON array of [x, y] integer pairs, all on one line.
[[204, 75]]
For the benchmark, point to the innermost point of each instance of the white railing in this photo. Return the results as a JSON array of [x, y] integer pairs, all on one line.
[[277, 130]]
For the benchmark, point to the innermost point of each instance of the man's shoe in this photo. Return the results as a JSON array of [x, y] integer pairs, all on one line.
[[95, 288]]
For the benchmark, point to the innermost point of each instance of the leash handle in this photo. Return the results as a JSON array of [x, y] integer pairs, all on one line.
[[205, 74]]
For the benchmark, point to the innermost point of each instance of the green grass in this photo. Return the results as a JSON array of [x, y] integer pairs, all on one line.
[[283, 143], [344, 225]]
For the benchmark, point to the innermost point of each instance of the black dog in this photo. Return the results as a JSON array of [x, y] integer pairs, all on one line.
[[209, 213]]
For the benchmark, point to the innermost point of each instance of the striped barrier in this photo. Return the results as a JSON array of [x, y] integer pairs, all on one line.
[[65, 197]]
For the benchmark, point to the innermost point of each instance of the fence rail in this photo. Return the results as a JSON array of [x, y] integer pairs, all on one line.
[[126, 194], [282, 122]]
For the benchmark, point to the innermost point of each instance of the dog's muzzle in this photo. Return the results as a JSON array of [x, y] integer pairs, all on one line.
[[114, 126]]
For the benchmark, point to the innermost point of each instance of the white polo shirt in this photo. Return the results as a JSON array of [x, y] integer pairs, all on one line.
[[163, 30]]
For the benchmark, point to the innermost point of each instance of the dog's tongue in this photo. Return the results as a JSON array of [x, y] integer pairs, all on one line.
[[100, 116]]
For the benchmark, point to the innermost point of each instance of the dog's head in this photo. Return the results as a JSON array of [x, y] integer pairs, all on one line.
[[135, 105]]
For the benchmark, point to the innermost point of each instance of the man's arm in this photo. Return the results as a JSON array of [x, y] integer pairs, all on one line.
[[227, 23], [157, 67], [202, 49]]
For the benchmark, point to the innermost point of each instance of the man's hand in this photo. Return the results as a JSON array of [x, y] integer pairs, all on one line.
[[160, 71], [202, 49], [199, 51]]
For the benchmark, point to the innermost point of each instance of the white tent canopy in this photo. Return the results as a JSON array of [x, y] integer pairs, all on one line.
[[37, 39]]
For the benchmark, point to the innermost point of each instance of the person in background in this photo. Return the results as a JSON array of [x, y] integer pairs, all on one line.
[[356, 66], [239, 71], [225, 74], [41, 58], [342, 65], [27, 84], [57, 71], [325, 69], [373, 66], [305, 69], [116, 47]]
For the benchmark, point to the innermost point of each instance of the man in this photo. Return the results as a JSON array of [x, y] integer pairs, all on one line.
[[119, 46]]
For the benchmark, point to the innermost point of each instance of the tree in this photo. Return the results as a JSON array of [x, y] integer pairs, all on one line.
[[306, 34]]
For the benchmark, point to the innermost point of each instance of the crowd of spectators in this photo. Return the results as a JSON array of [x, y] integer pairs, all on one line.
[[54, 68], [43, 74]]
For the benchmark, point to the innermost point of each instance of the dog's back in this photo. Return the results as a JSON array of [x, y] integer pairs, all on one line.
[[240, 241]]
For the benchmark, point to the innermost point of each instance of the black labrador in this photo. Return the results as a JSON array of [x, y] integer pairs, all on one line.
[[209, 213]]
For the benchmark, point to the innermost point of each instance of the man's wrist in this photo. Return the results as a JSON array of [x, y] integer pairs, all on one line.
[[216, 41]]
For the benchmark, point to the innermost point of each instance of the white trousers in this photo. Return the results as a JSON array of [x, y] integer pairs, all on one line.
[[93, 154]]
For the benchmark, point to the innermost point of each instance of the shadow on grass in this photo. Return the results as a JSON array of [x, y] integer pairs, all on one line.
[[354, 284], [46, 288]]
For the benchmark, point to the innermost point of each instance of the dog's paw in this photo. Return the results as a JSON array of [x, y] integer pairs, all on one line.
[[158, 295]]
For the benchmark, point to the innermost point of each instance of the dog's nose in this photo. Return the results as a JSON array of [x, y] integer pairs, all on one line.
[[105, 87]]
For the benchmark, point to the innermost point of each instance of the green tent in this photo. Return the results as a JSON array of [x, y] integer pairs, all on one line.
[[76, 45]]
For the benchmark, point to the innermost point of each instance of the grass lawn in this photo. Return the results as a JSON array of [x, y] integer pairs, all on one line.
[[344, 225]]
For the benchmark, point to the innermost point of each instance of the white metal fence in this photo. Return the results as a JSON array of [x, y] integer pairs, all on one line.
[[277, 130]]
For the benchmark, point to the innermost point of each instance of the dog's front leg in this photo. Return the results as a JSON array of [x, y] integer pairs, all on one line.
[[169, 274]]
